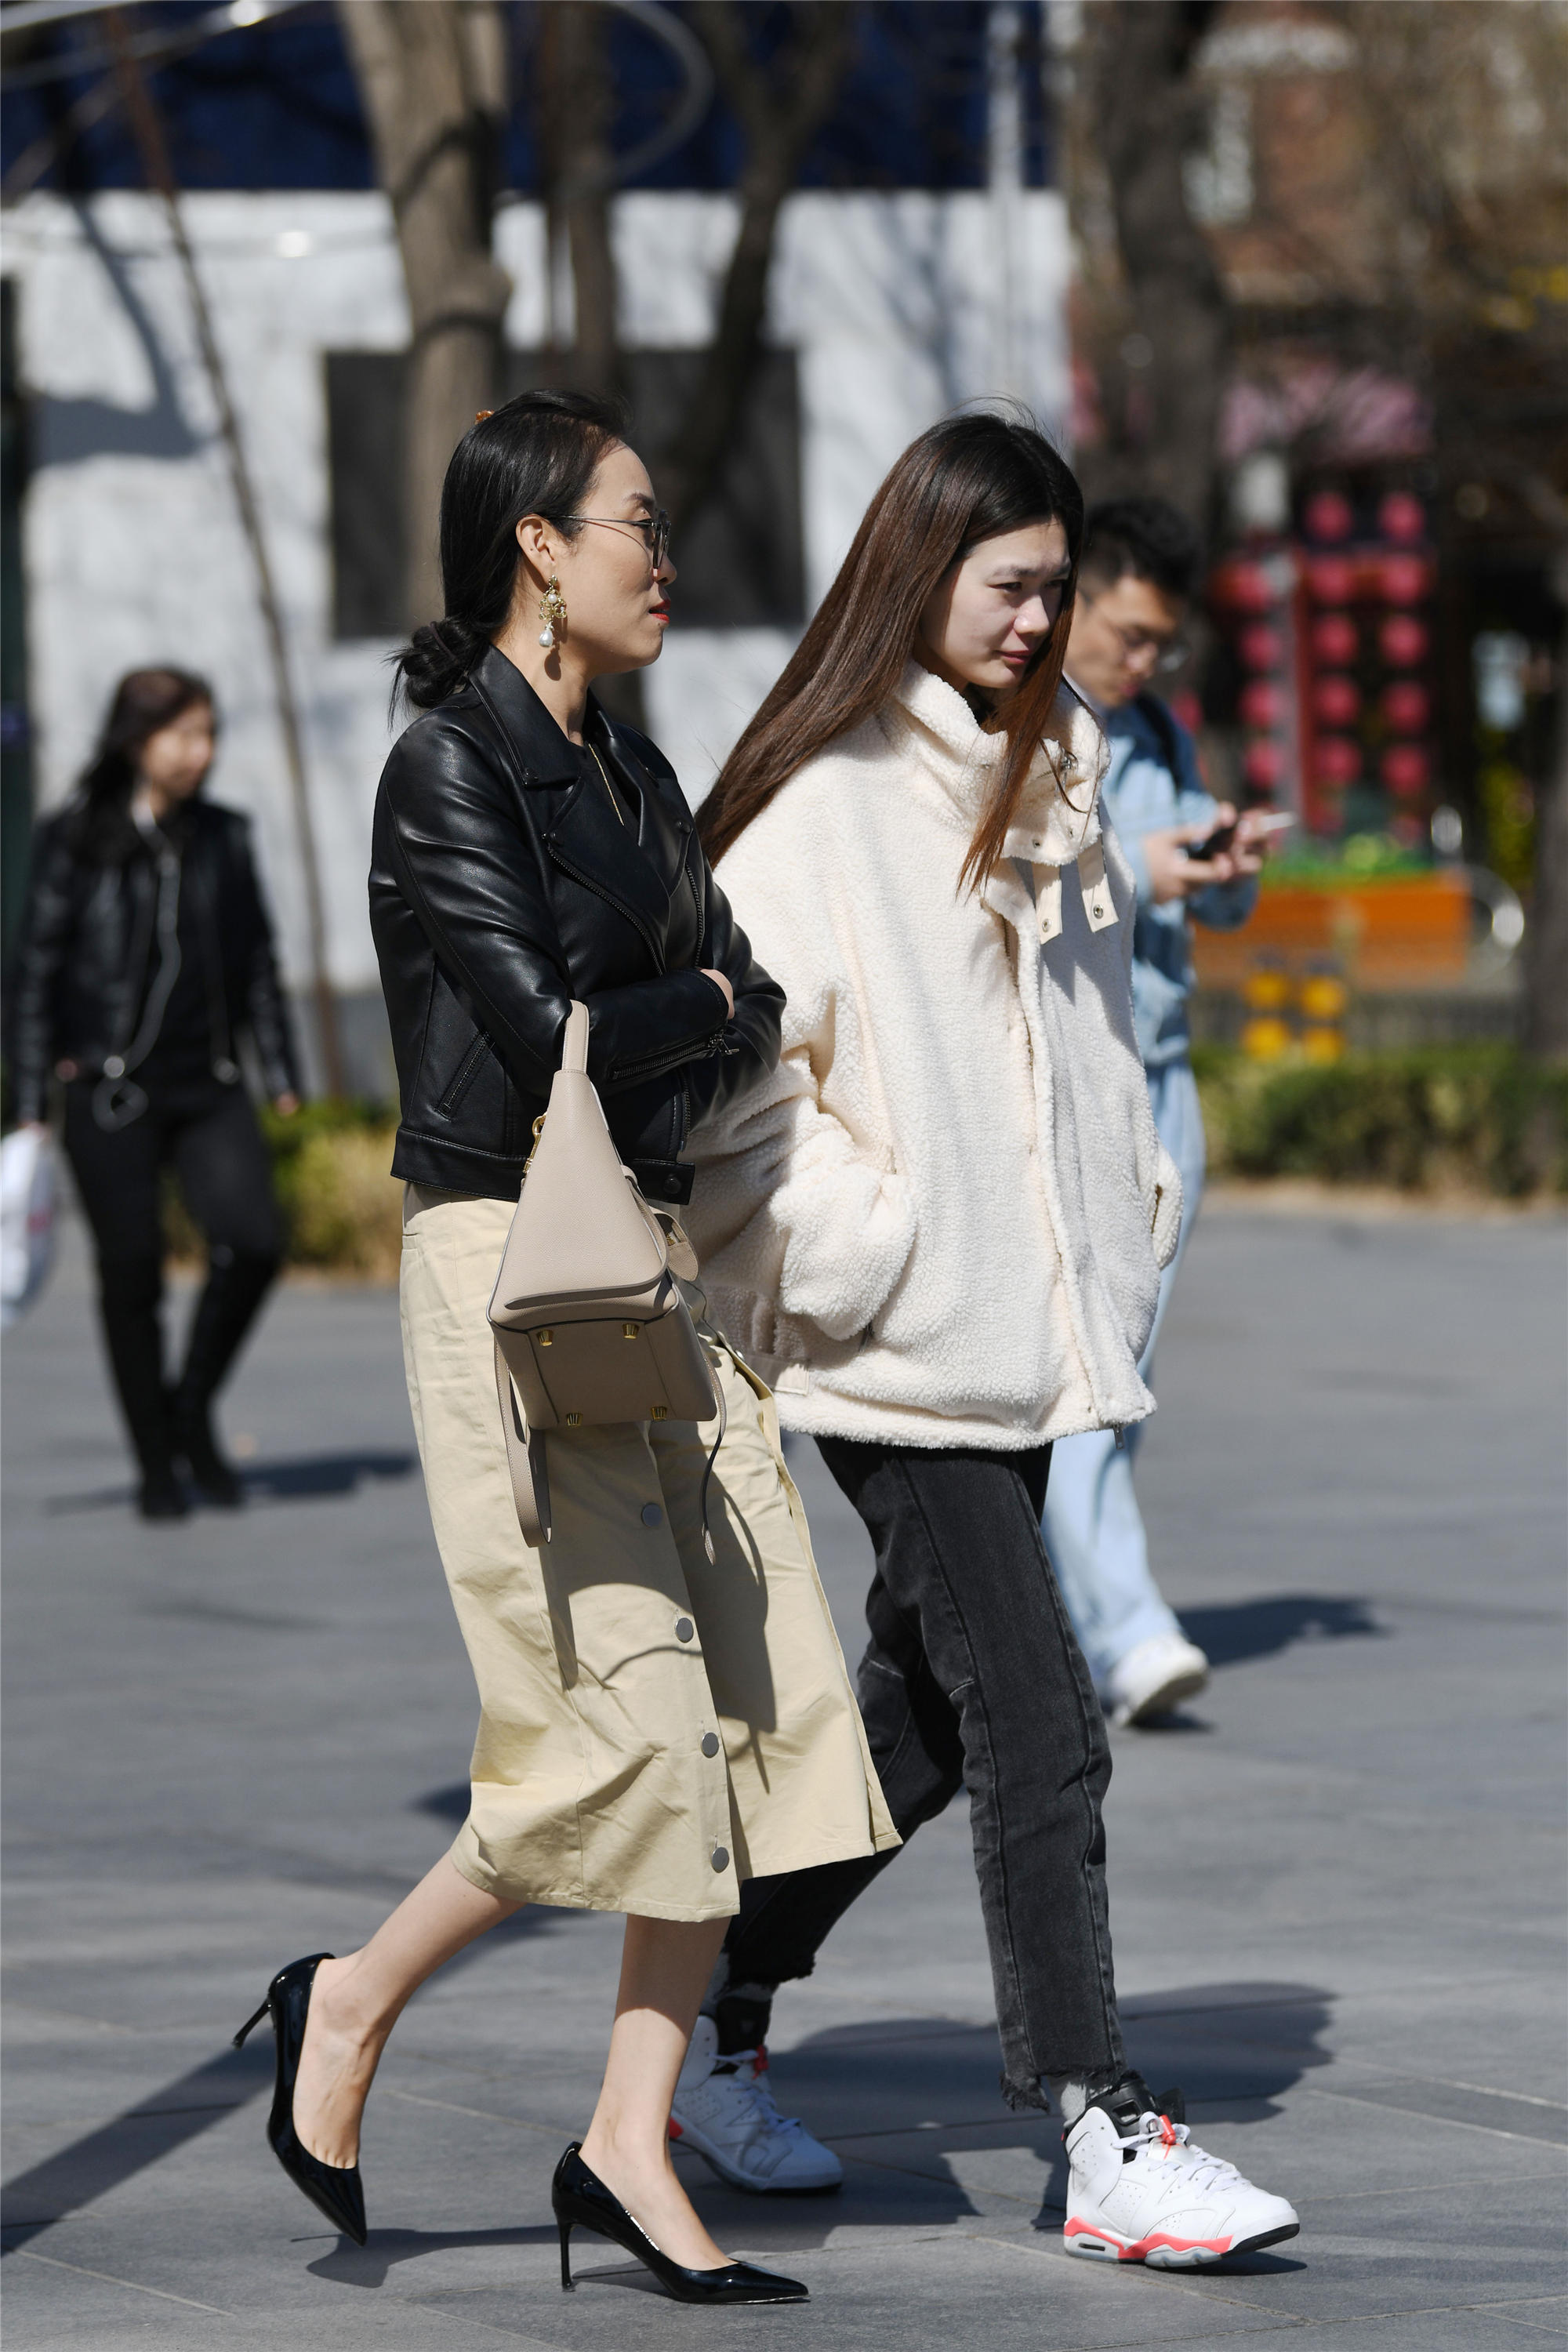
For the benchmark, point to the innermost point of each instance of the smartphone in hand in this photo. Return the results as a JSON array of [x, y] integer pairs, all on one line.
[[1223, 837]]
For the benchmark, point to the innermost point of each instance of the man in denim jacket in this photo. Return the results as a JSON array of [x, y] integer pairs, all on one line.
[[1140, 565]]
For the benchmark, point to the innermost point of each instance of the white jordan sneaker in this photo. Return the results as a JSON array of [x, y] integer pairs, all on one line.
[[724, 2110], [1153, 1677], [1138, 2191]]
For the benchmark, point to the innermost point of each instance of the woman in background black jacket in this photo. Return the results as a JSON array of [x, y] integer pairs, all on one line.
[[145, 954]]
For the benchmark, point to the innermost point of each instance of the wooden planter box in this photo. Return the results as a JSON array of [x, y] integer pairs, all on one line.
[[1401, 930]]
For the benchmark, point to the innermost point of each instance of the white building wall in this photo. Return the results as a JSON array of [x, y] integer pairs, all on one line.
[[133, 553]]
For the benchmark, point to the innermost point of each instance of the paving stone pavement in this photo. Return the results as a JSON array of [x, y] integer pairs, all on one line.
[[1336, 1885]]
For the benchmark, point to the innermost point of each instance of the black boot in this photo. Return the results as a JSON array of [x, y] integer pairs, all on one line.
[[129, 1294], [236, 1286]]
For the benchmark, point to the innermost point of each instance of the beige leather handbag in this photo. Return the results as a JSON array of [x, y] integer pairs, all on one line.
[[589, 1325]]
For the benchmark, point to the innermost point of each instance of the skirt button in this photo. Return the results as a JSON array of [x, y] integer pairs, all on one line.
[[684, 1629], [721, 1859], [710, 1743]]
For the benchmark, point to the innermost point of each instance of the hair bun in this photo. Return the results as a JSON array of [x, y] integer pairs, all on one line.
[[437, 658]]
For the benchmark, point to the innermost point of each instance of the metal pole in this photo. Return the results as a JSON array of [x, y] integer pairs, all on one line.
[[148, 130]]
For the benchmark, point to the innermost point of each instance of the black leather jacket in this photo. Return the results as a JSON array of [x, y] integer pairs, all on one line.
[[83, 967], [502, 885]]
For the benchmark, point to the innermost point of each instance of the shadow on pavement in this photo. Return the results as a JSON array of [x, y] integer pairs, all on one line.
[[309, 1476], [897, 2097], [158, 2125], [166, 2118], [447, 1804], [368, 2265], [305, 1478], [1230, 1632]]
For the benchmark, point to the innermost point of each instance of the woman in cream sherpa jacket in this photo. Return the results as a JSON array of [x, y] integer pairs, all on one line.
[[943, 1221], [939, 1231]]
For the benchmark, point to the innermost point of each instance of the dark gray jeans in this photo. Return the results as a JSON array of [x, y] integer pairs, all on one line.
[[972, 1678]]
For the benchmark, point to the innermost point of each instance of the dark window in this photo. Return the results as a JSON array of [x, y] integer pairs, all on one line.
[[739, 561]]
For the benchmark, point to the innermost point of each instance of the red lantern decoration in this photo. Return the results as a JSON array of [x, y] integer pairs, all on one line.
[[1262, 703], [1337, 762], [1406, 769], [1331, 579], [1243, 587], [1406, 706], [1402, 641], [1328, 517], [1401, 519], [1263, 765], [1334, 639], [1404, 579], [1260, 647], [1186, 710], [1336, 701]]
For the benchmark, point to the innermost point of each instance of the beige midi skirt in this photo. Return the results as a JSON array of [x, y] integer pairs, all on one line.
[[654, 1727]]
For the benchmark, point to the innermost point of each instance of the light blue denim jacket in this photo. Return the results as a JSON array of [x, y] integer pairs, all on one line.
[[1140, 795]]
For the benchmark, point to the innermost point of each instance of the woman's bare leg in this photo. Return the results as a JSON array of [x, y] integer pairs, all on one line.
[[355, 2001], [664, 1967]]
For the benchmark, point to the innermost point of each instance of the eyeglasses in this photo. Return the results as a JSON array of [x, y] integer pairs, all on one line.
[[653, 528], [1138, 644]]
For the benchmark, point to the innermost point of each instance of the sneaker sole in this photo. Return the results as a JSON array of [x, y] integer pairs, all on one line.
[[684, 2135], [1101, 2247]]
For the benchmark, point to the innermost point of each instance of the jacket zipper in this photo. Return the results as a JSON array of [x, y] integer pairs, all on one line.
[[620, 906], [464, 1077], [650, 1065]]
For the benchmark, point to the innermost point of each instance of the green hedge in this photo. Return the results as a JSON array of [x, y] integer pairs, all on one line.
[[1482, 1118], [1471, 1118], [332, 1163]]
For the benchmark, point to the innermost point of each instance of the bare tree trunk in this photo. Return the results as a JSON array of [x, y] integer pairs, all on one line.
[[1143, 107], [576, 116], [432, 80], [781, 106]]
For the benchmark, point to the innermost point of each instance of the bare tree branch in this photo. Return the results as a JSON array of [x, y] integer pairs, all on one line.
[[781, 105]]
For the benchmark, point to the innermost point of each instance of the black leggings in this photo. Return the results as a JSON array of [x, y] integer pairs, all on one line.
[[209, 1137]]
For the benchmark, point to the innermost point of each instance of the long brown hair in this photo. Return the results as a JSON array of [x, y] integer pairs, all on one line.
[[963, 480]]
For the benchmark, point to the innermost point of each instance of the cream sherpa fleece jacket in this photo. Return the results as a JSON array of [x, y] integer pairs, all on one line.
[[942, 1222]]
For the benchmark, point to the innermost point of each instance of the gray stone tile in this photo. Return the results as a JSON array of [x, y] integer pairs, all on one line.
[[239, 1739]]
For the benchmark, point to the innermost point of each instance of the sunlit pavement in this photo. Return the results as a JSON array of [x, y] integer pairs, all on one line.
[[1336, 1884]]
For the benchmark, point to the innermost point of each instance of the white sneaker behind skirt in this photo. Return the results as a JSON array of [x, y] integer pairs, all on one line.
[[1153, 1678], [1138, 2191], [724, 2110]]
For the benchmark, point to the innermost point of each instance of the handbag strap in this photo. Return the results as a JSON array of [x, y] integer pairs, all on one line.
[[525, 1460], [574, 1039], [531, 1478]]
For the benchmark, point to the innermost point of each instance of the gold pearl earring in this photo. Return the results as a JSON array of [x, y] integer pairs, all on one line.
[[552, 612]]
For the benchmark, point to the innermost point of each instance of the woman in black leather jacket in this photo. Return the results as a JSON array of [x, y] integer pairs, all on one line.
[[661, 1717], [146, 954]]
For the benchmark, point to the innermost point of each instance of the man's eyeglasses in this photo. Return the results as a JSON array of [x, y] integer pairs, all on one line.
[[1162, 654], [654, 530]]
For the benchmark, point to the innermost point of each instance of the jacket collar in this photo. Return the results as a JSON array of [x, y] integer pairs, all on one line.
[[937, 725], [546, 754], [637, 870]]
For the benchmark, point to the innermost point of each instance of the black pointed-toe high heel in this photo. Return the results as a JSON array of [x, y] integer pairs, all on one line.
[[334, 2189], [580, 2200]]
